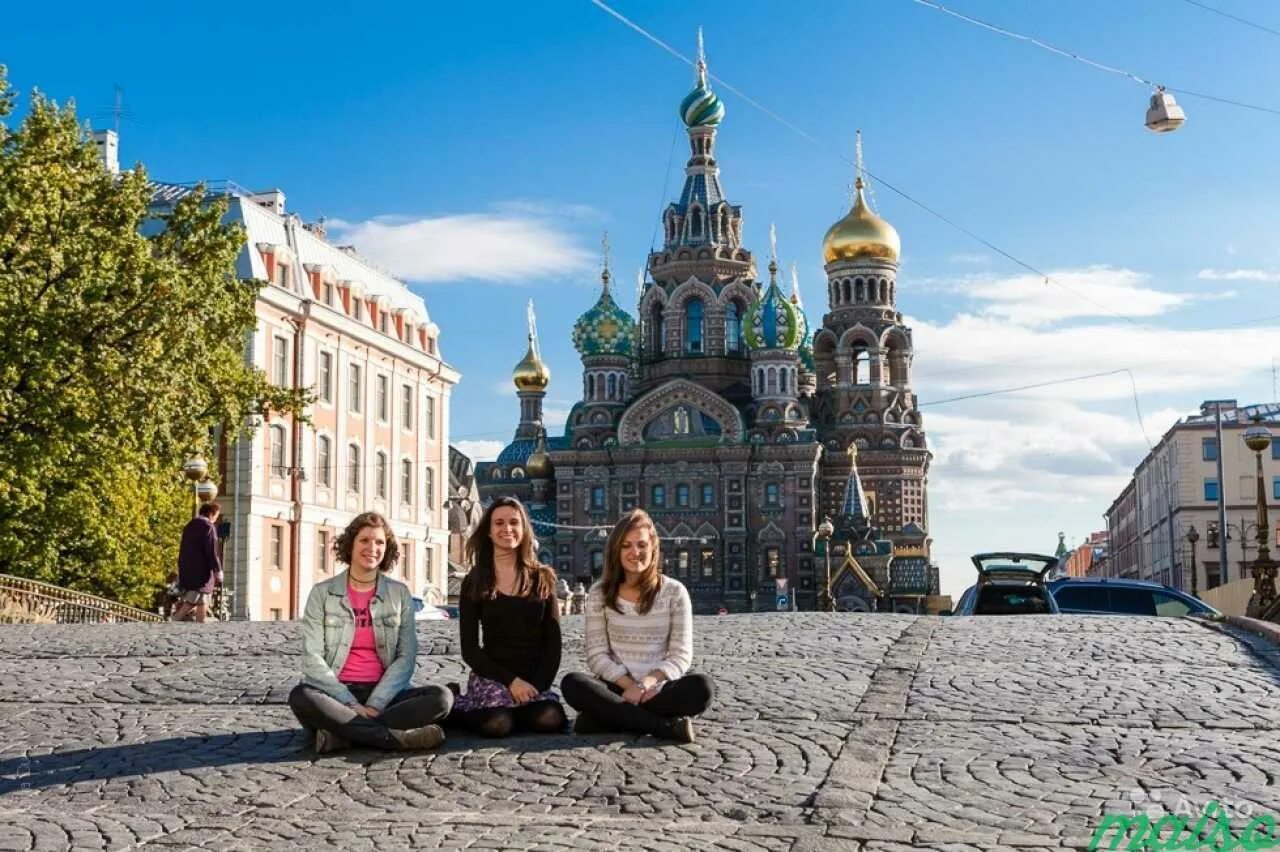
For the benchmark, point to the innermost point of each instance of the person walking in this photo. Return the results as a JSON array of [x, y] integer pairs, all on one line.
[[199, 568], [359, 644], [509, 597], [639, 644]]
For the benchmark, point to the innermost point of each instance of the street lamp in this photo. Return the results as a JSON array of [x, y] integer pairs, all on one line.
[[1192, 538], [1257, 438], [195, 469], [825, 530]]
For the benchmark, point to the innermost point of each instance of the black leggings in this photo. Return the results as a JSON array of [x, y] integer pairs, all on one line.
[[412, 708], [542, 717], [603, 702]]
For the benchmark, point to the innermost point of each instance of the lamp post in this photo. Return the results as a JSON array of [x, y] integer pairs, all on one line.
[[195, 469], [1192, 537], [825, 530], [1257, 438]]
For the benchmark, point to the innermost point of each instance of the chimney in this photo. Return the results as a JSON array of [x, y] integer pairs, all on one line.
[[272, 199], [108, 142]]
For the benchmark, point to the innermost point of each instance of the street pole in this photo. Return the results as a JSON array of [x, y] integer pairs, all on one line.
[[1222, 494], [1192, 538], [1258, 438]]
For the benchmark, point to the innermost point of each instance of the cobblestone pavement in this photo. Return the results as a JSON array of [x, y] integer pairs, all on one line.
[[857, 732]]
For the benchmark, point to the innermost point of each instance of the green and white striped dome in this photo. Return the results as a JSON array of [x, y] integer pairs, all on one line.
[[773, 322]]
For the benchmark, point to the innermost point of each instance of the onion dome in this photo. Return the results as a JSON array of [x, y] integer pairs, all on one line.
[[861, 234], [531, 374], [772, 320], [701, 107], [539, 464], [605, 329]]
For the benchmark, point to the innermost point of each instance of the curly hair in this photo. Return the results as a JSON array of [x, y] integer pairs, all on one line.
[[342, 547]]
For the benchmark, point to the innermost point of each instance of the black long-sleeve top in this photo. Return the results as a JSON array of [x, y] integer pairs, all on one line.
[[521, 637]]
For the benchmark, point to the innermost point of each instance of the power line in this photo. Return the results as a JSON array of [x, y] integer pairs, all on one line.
[[1235, 18], [1070, 54]]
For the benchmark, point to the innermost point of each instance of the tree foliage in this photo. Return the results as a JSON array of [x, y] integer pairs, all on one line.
[[120, 354]]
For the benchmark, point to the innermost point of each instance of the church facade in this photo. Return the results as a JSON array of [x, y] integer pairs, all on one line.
[[717, 410]]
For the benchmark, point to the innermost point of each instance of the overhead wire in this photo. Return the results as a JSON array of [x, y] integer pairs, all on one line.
[[1101, 66], [1235, 18]]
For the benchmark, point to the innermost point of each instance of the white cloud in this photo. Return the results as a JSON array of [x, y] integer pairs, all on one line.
[[518, 242], [479, 451], [1093, 291], [1265, 275]]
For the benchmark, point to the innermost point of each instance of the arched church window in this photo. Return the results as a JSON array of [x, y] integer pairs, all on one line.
[[695, 223], [613, 386], [591, 386], [859, 289], [862, 367], [782, 380], [772, 381], [732, 328], [655, 325], [693, 326]]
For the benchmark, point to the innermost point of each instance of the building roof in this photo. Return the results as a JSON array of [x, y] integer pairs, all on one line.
[[1267, 412]]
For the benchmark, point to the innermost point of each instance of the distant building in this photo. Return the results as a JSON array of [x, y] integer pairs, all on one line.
[[1089, 559], [1176, 486], [379, 432], [715, 409]]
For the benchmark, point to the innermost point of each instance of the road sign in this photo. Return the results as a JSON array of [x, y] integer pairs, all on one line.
[[784, 602]]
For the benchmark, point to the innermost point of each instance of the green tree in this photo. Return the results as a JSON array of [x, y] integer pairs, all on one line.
[[120, 355]]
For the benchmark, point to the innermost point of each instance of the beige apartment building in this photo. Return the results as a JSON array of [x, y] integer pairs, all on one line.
[[378, 434], [1177, 486]]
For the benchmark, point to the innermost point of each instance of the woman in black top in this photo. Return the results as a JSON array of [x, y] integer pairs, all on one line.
[[511, 599]]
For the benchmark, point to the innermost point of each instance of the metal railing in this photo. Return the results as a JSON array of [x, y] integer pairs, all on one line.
[[45, 602]]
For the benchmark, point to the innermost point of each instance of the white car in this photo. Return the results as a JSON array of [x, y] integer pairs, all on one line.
[[425, 612]]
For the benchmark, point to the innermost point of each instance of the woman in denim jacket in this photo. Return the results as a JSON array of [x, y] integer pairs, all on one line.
[[359, 641]]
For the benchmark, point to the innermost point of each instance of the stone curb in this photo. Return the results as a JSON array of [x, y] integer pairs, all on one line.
[[1257, 626]]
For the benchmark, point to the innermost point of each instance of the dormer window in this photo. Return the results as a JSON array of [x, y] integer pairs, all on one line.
[[282, 275], [326, 293], [356, 309]]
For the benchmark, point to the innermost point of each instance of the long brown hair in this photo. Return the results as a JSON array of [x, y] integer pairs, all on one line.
[[347, 539], [614, 574], [531, 578]]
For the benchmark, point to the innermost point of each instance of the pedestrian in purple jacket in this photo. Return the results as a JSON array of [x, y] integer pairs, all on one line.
[[199, 569]]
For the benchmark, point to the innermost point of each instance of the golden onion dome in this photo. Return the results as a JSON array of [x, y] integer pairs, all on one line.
[[861, 234], [538, 465], [531, 374]]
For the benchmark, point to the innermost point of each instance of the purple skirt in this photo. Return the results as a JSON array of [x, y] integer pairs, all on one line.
[[485, 694]]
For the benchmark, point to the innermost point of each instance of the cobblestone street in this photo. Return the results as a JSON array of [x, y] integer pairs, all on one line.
[[828, 732]]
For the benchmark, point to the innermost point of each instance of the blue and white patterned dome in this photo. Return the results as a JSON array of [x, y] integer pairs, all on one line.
[[605, 329]]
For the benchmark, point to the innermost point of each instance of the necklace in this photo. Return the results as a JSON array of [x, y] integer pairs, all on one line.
[[361, 585]]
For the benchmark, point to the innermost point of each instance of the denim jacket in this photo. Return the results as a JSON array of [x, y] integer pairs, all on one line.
[[329, 627]]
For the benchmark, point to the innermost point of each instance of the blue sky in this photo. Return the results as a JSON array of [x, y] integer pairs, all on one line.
[[491, 144]]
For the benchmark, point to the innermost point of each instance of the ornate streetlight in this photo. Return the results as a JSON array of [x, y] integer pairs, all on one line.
[[825, 530], [1192, 537], [196, 469], [1262, 603]]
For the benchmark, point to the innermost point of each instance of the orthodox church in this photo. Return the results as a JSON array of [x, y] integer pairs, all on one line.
[[719, 412]]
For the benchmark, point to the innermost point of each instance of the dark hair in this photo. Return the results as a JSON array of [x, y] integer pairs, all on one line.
[[650, 580], [342, 547], [208, 510], [531, 577]]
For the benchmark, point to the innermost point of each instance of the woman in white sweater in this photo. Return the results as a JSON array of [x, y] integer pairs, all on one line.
[[639, 644]]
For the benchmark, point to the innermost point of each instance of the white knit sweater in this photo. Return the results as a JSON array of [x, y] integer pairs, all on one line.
[[626, 642]]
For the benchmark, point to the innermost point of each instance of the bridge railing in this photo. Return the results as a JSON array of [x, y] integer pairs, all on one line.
[[45, 602]]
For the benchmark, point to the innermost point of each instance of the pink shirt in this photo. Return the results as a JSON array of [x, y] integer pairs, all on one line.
[[363, 664]]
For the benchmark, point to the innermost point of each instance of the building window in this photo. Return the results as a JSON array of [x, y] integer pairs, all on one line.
[[772, 561], [682, 495], [277, 451], [406, 406], [1211, 490], [658, 496], [276, 614], [429, 483], [322, 552], [354, 388], [356, 308], [282, 275], [430, 415], [381, 399], [406, 482], [430, 554], [324, 377], [380, 475], [693, 326], [597, 498], [1209, 449], [772, 496], [382, 321], [682, 563], [353, 468], [326, 293], [732, 328], [280, 361], [276, 552], [708, 494], [324, 460], [1275, 449], [1275, 488], [597, 563]]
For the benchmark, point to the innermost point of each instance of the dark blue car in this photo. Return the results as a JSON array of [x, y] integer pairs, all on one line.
[[1115, 596]]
